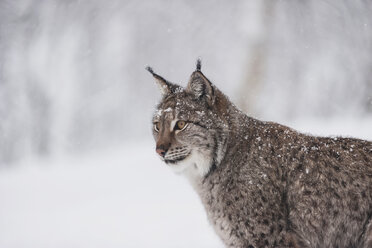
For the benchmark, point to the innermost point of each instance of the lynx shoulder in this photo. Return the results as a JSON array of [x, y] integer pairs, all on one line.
[[264, 184]]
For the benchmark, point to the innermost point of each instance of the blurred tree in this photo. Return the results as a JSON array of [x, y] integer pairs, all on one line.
[[317, 61], [257, 58]]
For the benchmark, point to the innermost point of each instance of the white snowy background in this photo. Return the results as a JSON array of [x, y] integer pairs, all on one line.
[[77, 160]]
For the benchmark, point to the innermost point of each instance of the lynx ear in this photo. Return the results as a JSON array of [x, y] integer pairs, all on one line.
[[200, 86], [165, 87]]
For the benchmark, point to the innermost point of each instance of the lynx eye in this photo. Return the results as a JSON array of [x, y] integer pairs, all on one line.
[[180, 125], [156, 126]]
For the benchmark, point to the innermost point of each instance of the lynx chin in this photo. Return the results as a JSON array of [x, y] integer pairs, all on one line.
[[264, 184]]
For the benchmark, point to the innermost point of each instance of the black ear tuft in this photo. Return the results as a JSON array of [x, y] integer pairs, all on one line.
[[198, 64], [156, 76], [165, 87], [150, 70]]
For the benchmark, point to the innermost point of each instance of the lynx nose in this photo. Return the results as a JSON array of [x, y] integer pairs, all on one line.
[[162, 150]]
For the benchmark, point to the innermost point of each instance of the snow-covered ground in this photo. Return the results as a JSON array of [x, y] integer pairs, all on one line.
[[122, 197]]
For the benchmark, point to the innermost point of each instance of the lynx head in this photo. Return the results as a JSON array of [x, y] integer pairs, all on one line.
[[189, 125]]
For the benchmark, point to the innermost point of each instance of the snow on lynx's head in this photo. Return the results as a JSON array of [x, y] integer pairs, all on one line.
[[188, 125]]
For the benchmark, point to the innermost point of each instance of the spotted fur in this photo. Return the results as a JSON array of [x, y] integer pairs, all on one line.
[[264, 184]]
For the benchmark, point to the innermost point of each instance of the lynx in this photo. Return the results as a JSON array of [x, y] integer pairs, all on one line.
[[264, 184]]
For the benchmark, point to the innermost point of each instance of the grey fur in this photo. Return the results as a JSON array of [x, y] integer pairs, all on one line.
[[264, 184]]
